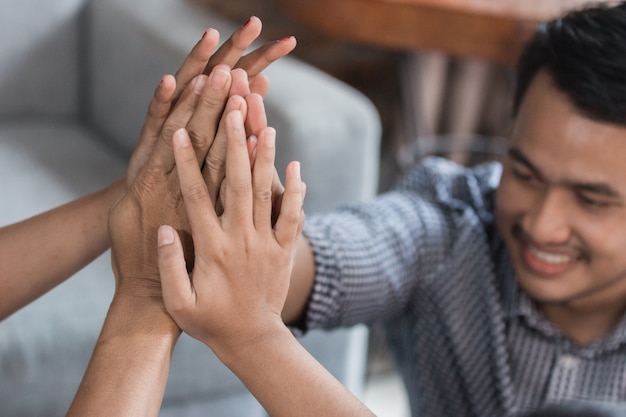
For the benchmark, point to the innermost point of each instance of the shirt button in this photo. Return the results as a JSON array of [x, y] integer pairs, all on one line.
[[568, 362]]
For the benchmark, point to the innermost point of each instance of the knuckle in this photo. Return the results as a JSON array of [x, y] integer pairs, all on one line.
[[263, 195], [195, 192], [198, 134], [214, 164], [240, 188]]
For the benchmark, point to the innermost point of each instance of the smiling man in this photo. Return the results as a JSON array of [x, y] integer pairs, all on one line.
[[503, 287]]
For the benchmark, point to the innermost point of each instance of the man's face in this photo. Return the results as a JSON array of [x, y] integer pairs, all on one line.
[[561, 204]]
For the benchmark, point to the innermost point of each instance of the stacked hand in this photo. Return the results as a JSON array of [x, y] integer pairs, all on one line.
[[196, 103], [242, 268]]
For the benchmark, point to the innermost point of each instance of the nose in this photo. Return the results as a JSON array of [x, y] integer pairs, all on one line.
[[546, 222]]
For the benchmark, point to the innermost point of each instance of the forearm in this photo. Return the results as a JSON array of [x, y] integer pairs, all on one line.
[[128, 370], [287, 380], [39, 253]]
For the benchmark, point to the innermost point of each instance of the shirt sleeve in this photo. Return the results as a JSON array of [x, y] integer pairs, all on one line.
[[371, 257]]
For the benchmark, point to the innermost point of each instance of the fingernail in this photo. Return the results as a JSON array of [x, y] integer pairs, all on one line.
[[219, 78], [286, 38], [296, 168], [182, 138], [204, 34], [270, 139], [237, 119], [165, 236], [198, 84], [247, 22]]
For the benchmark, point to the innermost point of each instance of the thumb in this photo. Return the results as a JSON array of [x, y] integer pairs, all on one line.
[[175, 282]]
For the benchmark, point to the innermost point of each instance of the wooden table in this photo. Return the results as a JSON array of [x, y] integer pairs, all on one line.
[[482, 32], [494, 30]]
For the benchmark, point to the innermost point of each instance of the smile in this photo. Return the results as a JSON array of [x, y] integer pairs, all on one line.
[[548, 263], [551, 258]]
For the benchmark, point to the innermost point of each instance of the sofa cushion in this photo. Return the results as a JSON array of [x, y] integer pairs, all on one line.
[[39, 46]]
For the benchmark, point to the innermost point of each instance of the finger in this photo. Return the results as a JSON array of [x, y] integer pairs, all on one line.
[[260, 85], [200, 211], [158, 109], [259, 59], [256, 120], [162, 158], [277, 196], [202, 126], [214, 169], [177, 288], [289, 219], [197, 60], [262, 177], [252, 144], [238, 188], [240, 85], [230, 52]]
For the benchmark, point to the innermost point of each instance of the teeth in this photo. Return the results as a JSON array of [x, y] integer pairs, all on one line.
[[550, 257]]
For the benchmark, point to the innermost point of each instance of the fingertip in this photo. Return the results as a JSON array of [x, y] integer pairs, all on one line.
[[166, 86], [239, 72], [269, 135], [210, 34], [181, 138], [235, 118], [252, 143], [165, 235], [235, 102], [295, 167], [253, 21]]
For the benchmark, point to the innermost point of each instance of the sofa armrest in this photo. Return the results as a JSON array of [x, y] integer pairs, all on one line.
[[320, 121]]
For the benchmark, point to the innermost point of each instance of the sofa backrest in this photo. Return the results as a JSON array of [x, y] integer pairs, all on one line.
[[39, 65]]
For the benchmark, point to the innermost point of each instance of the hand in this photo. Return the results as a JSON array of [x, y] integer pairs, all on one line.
[[214, 169], [201, 59], [154, 197], [241, 273]]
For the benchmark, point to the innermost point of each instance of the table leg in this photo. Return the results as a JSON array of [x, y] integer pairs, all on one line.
[[423, 80]]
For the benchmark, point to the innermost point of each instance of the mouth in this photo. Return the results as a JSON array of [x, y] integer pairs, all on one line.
[[548, 263]]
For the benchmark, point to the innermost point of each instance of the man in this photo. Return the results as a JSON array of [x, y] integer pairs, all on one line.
[[503, 287]]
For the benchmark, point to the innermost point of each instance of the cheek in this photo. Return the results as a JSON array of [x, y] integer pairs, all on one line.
[[598, 234]]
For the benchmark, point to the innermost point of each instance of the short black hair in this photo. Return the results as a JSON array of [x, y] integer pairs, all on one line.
[[584, 53]]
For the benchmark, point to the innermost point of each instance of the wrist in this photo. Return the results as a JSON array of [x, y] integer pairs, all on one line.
[[239, 347], [142, 317]]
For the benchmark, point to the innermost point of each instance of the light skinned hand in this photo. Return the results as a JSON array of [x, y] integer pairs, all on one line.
[[240, 277]]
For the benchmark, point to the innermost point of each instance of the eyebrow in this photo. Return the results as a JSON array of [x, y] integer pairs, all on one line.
[[591, 187]]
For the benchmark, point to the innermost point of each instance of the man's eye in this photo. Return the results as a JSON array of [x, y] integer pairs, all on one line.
[[522, 175], [592, 202]]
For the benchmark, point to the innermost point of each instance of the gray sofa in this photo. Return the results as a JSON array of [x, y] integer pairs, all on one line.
[[75, 79]]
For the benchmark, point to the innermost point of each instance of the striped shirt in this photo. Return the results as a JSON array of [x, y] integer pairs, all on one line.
[[427, 259]]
